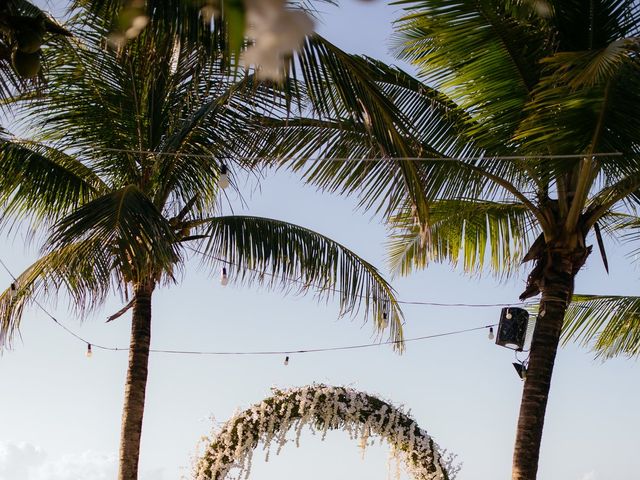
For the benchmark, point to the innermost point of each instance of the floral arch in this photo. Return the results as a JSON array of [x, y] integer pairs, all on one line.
[[321, 408]]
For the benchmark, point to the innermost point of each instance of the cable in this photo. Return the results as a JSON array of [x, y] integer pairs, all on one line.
[[346, 159], [48, 314], [335, 290], [235, 353], [326, 349]]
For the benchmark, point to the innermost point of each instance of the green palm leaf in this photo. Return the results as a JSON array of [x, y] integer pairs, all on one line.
[[366, 110], [84, 270], [609, 324], [42, 182], [127, 224], [468, 232], [275, 252], [479, 45]]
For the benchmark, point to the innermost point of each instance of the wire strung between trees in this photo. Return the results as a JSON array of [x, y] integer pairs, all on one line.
[[511, 158], [335, 290], [326, 349], [90, 344]]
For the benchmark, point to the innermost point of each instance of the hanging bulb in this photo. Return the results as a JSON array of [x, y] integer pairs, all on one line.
[[385, 320], [13, 290], [286, 360], [223, 179], [224, 279], [491, 335], [509, 316], [89, 352]]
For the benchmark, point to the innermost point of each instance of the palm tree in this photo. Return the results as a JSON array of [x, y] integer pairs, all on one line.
[[520, 105], [346, 104], [122, 174]]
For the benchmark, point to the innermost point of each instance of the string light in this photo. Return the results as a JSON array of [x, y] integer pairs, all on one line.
[[335, 290], [223, 179], [508, 315], [491, 335], [89, 351], [224, 278], [298, 351], [286, 360], [13, 290]]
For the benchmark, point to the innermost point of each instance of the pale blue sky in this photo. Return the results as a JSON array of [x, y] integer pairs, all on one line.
[[60, 412]]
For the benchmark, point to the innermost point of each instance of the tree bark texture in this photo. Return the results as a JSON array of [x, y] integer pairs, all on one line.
[[136, 384], [556, 285]]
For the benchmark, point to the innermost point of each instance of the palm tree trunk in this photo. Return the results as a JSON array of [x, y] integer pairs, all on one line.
[[136, 385], [557, 289]]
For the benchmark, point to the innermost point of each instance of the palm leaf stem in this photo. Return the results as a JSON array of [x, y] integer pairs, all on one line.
[[588, 169], [633, 186], [509, 187]]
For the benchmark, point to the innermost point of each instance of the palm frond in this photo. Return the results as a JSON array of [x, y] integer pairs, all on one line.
[[482, 56], [341, 86], [364, 110], [473, 233], [577, 93], [625, 228], [595, 25], [127, 224], [609, 324], [209, 131], [83, 270], [274, 253], [42, 182]]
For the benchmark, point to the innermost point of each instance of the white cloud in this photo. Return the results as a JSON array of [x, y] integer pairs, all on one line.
[[155, 474], [96, 466], [24, 461], [18, 459]]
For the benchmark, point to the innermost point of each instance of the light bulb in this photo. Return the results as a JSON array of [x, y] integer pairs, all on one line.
[[224, 279], [13, 290], [286, 360], [491, 335], [89, 352], [385, 320], [223, 179], [509, 316]]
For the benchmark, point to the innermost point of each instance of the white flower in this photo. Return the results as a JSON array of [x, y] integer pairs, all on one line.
[[276, 33], [326, 407]]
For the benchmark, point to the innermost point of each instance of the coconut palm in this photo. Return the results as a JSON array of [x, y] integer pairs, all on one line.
[[121, 176], [347, 105], [530, 81]]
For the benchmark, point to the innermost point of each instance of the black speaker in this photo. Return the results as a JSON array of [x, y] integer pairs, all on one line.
[[512, 328]]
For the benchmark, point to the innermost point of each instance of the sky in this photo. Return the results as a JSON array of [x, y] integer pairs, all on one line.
[[60, 411]]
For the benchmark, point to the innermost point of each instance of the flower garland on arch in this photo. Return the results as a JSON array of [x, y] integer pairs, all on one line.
[[321, 408]]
